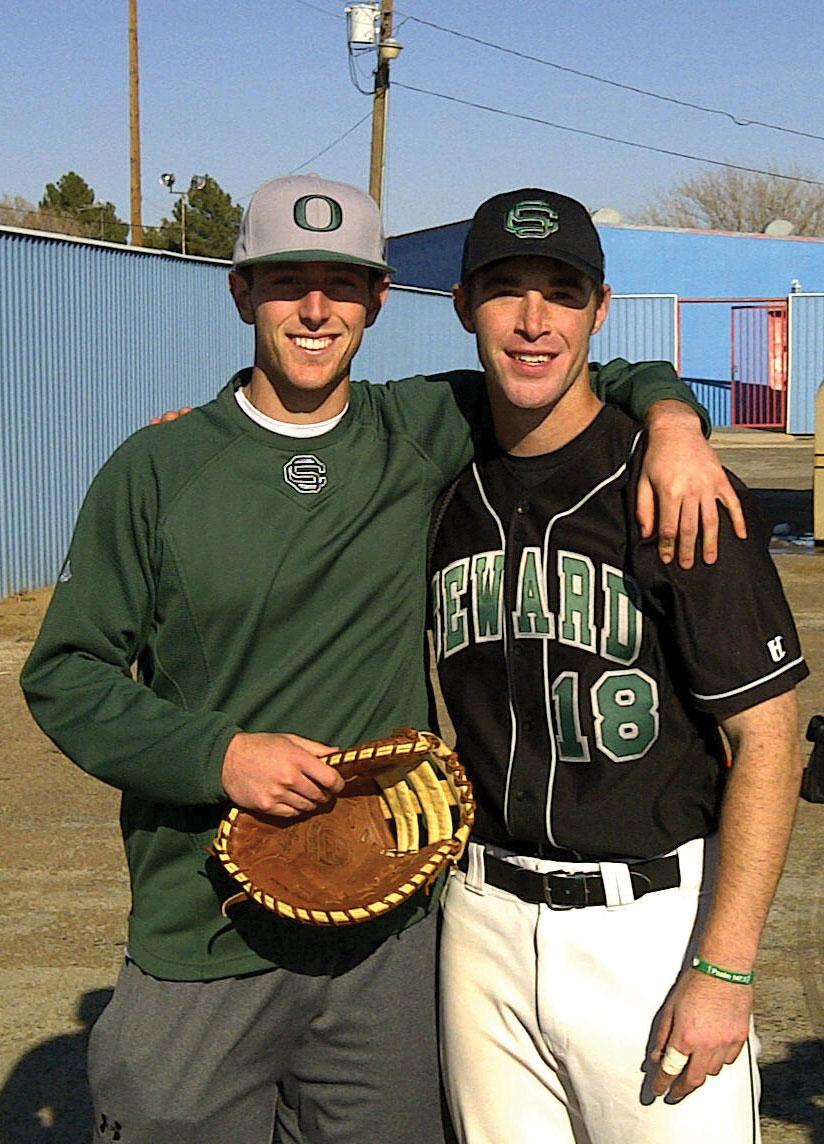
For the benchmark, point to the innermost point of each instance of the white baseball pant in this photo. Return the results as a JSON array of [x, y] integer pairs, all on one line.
[[547, 1016]]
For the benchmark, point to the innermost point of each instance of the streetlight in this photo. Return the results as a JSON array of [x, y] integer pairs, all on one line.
[[96, 207], [196, 183], [369, 27]]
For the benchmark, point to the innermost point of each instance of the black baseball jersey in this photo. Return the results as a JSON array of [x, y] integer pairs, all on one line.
[[586, 679]]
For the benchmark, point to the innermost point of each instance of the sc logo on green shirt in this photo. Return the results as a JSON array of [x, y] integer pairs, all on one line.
[[305, 474]]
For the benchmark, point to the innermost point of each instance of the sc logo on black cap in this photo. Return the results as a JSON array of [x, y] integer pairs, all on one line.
[[531, 218]]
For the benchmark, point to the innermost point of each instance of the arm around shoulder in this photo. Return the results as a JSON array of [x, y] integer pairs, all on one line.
[[682, 482], [636, 386], [682, 479], [444, 415]]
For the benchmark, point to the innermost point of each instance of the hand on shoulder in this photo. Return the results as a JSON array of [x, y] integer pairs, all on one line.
[[682, 481], [170, 415]]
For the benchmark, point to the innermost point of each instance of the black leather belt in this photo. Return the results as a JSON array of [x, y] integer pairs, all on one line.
[[562, 890]]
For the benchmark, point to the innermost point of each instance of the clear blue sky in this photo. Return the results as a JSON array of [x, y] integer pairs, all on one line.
[[249, 89]]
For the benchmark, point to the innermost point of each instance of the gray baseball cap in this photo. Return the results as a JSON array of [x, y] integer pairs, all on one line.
[[303, 218]]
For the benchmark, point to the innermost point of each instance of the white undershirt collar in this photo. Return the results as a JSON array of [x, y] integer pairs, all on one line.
[[287, 428]]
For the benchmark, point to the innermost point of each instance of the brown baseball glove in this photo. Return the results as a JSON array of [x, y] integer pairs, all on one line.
[[404, 814]]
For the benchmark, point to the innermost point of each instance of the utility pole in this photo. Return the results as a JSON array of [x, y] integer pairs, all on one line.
[[388, 49], [368, 29], [134, 130]]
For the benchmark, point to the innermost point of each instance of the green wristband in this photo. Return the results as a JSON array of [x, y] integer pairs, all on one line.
[[722, 974]]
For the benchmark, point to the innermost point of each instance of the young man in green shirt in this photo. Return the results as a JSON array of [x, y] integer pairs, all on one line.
[[261, 562]]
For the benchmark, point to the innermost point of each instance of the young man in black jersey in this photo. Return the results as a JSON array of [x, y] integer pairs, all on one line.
[[599, 940]]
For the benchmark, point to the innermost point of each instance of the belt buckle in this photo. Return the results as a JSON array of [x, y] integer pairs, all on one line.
[[563, 876]]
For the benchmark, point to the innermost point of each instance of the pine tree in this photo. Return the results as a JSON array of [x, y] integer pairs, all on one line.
[[69, 207]]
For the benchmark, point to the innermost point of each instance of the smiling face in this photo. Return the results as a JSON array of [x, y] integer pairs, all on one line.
[[309, 318], [533, 318]]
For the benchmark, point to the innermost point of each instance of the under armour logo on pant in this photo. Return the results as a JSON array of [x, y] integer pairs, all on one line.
[[110, 1128]]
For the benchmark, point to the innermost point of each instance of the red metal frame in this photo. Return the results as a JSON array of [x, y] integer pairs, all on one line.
[[759, 364], [759, 361]]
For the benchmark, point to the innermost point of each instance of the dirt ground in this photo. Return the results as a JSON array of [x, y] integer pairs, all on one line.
[[64, 897]]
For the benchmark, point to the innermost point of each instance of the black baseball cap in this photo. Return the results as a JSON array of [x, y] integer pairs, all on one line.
[[532, 222]]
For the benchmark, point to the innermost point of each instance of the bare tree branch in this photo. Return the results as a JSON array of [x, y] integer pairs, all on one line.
[[734, 200]]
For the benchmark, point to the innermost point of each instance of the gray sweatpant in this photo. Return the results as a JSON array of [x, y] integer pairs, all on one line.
[[344, 1057]]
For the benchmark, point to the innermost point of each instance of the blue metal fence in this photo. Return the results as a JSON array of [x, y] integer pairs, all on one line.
[[417, 332], [715, 396], [641, 327], [93, 340]]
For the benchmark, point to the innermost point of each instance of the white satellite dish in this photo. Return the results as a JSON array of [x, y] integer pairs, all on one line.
[[608, 215], [779, 228]]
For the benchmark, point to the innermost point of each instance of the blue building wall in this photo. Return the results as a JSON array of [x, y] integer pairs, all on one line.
[[415, 333], [640, 327], [645, 260], [705, 340], [96, 338], [702, 264], [696, 264], [715, 396], [428, 258]]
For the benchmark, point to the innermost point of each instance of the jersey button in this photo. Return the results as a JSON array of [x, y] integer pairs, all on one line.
[[522, 508]]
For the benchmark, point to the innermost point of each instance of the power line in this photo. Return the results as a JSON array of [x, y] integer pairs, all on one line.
[[328, 147], [67, 216], [355, 76], [334, 143], [739, 121], [608, 138]]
